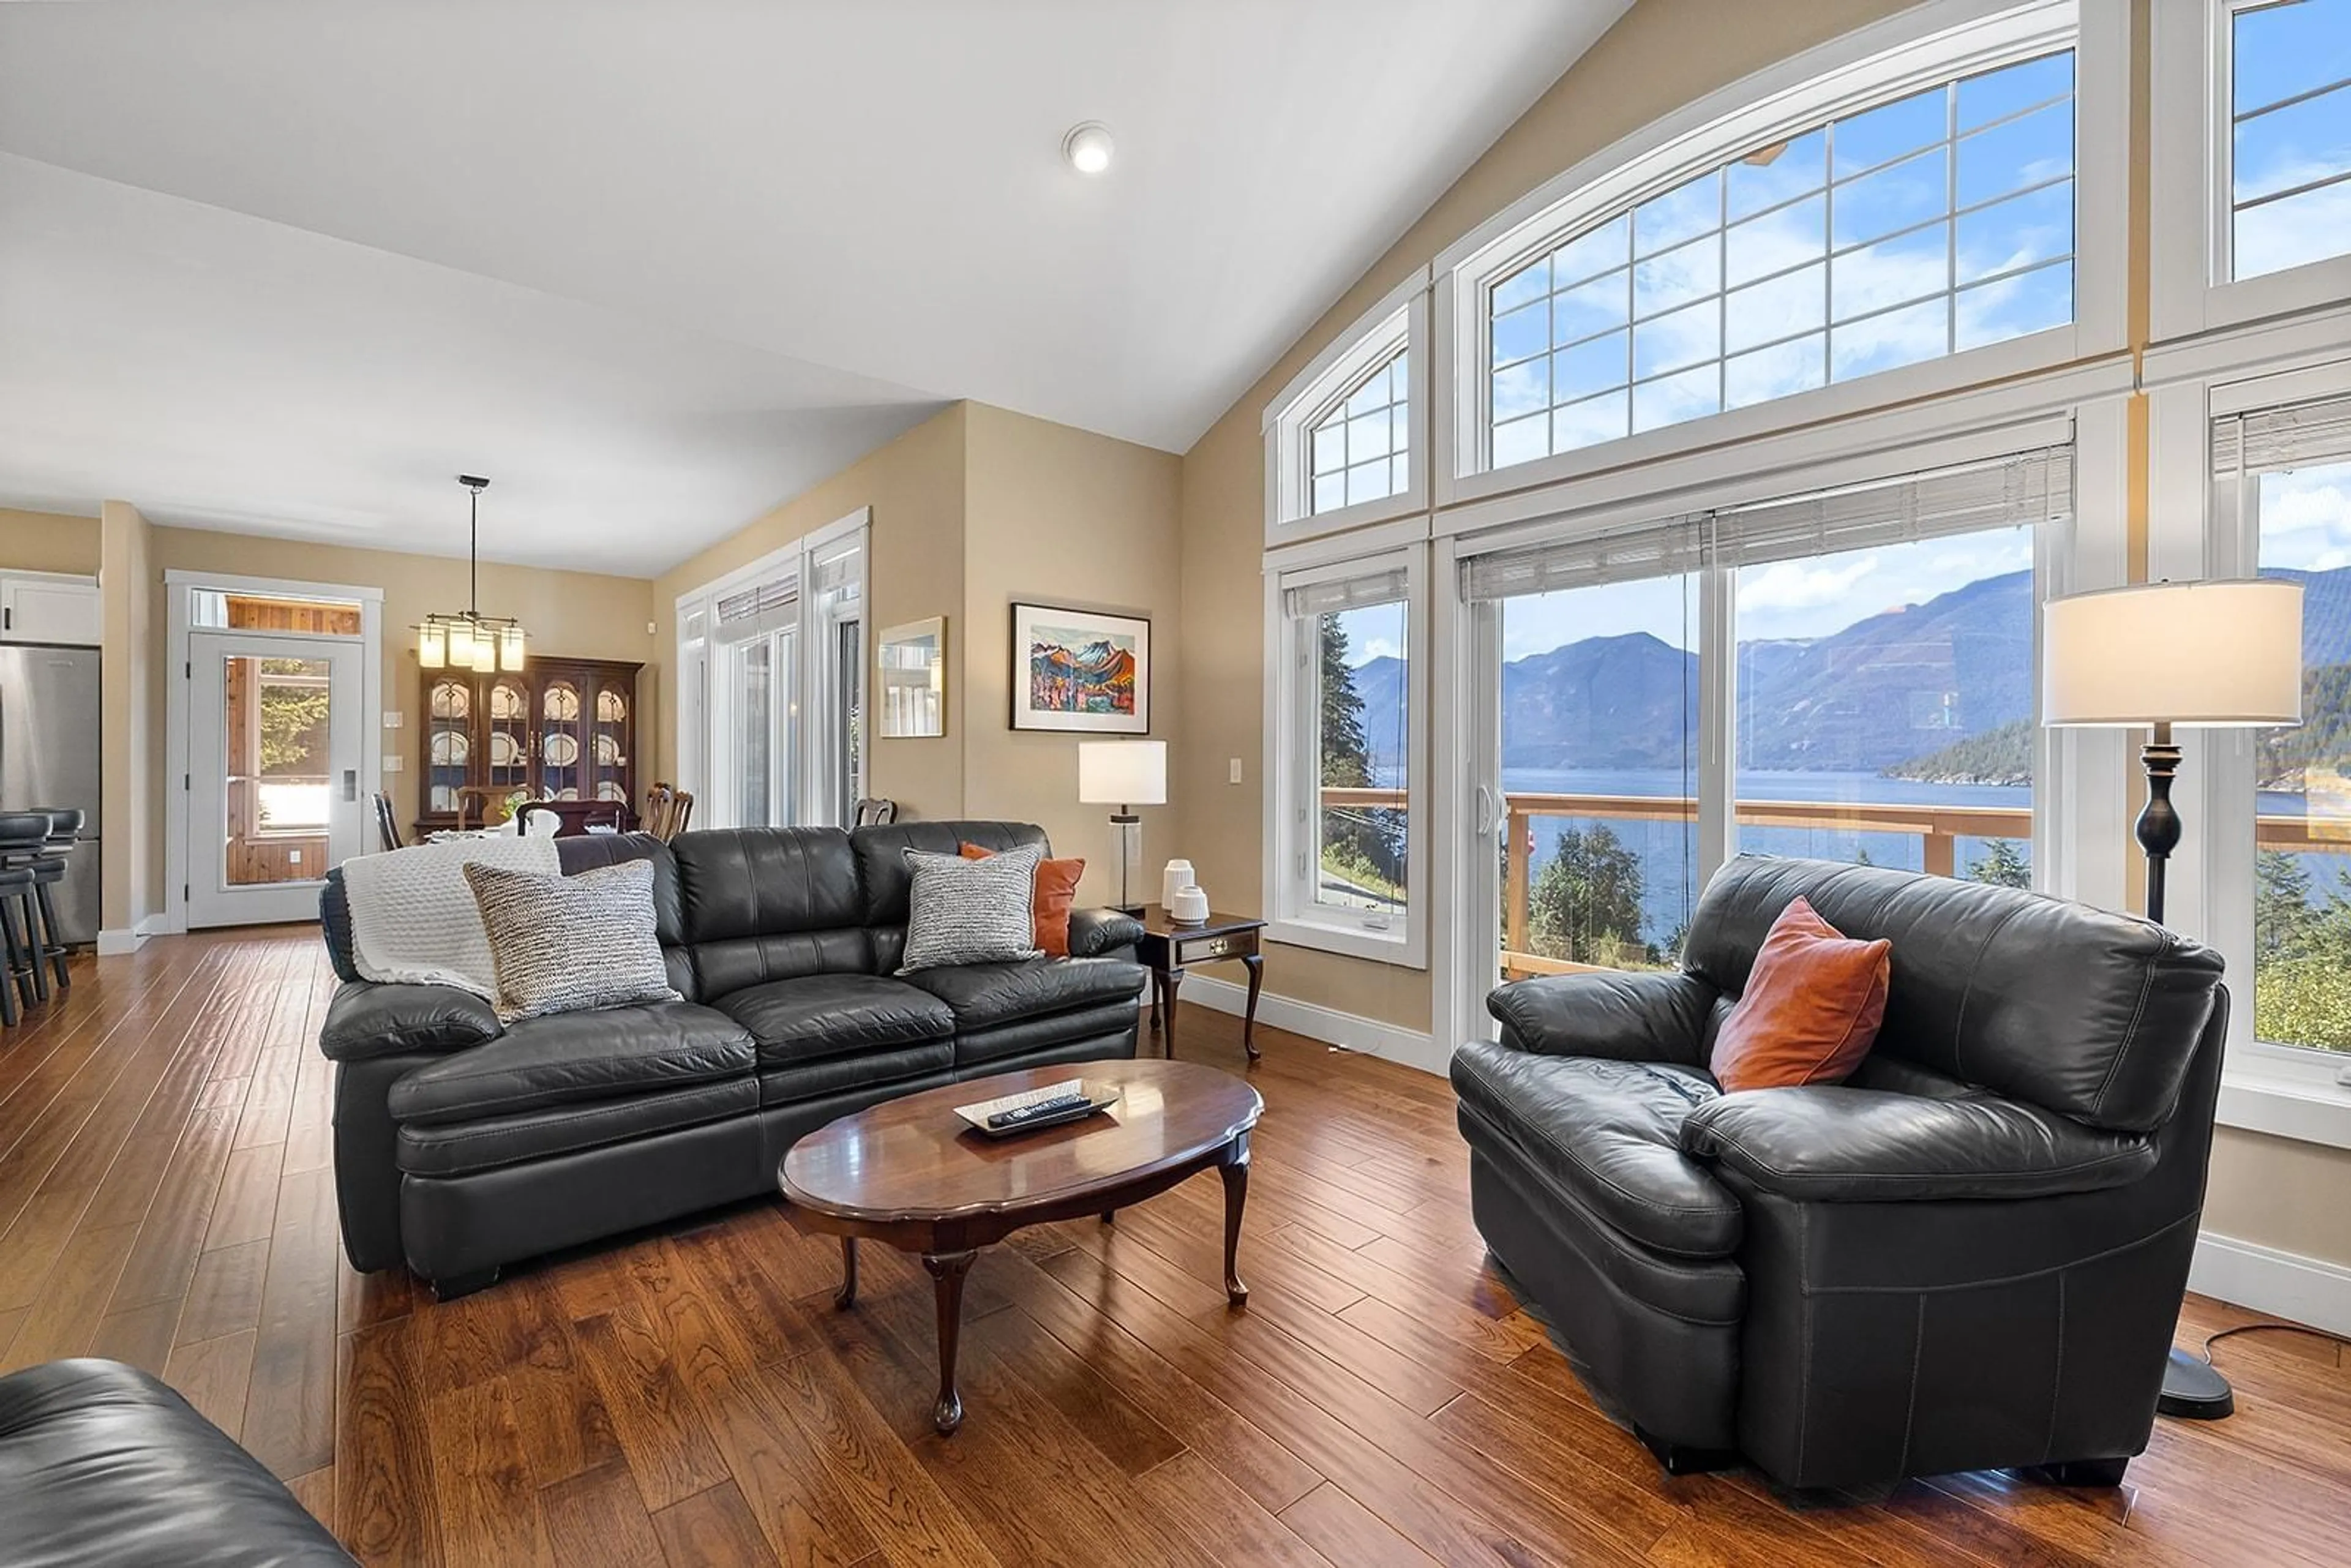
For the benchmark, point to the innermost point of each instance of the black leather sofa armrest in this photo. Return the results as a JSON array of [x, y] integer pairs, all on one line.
[[1095, 932], [1621, 1014], [366, 1021], [1834, 1144]]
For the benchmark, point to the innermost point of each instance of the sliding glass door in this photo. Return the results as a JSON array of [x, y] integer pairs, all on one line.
[[1846, 676]]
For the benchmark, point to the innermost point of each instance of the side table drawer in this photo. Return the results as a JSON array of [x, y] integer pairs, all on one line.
[[1202, 949]]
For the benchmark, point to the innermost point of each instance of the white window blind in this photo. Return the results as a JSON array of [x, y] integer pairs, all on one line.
[[2028, 487], [762, 608], [1654, 549], [2031, 487], [2281, 438], [1329, 597]]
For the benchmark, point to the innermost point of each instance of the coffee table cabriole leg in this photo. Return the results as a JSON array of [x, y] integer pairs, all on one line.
[[846, 1297], [948, 1270], [1234, 1170]]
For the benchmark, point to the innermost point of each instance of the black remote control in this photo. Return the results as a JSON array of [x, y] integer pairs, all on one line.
[[1021, 1115]]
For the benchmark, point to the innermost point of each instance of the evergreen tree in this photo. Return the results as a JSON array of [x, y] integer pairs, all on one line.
[[1356, 839], [1586, 901], [1346, 754], [2003, 865], [2283, 917]]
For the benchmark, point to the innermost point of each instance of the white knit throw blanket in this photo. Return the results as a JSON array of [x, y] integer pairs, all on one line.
[[414, 919]]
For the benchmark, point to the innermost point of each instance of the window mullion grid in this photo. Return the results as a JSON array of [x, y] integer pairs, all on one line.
[[1951, 218]]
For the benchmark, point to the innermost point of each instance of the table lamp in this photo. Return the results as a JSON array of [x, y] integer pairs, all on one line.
[[1124, 774], [2218, 654]]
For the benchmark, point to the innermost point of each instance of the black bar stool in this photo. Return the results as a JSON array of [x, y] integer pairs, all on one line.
[[23, 838], [49, 870]]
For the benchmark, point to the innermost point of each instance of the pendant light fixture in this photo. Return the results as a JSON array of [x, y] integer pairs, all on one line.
[[470, 640]]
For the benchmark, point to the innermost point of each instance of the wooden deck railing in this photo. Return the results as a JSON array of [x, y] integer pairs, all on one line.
[[1939, 828]]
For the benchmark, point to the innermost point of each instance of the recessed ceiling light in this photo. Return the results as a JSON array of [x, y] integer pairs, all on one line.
[[1088, 147]]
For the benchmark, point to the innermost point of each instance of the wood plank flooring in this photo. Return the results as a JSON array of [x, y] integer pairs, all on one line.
[[692, 1396]]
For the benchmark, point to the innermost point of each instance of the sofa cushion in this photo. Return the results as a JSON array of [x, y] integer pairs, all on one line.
[[790, 1082], [771, 904], [100, 1463], [819, 1016], [985, 995], [1605, 1136], [570, 1057], [1110, 1027], [457, 1149]]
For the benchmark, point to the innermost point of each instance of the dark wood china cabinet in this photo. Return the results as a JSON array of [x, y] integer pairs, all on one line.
[[560, 730]]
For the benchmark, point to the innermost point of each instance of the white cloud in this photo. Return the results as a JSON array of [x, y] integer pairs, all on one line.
[[1802, 585]]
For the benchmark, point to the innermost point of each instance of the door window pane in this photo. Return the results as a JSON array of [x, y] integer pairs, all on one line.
[[279, 772], [1885, 706], [1599, 739], [2301, 869], [753, 723], [1363, 758]]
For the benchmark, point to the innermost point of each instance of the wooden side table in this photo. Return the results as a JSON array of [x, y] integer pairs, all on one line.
[[1169, 945]]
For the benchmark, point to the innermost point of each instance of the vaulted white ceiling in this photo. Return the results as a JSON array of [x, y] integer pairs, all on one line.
[[654, 267]]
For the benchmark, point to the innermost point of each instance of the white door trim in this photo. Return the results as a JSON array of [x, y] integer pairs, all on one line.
[[178, 650]]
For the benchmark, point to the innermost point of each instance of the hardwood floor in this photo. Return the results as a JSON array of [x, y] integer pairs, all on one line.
[[165, 1198]]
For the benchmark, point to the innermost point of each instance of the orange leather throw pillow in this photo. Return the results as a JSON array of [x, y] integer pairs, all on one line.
[[1057, 890], [1812, 1007]]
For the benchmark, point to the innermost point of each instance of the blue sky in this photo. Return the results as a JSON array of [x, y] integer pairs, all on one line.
[[2282, 52]]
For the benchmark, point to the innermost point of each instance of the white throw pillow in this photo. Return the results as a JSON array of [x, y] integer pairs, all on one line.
[[971, 912]]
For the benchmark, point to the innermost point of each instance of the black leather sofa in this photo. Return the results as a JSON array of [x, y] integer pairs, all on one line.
[[459, 1147], [103, 1467], [1970, 1255]]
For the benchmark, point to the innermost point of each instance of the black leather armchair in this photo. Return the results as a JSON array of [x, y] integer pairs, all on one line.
[[1970, 1255]]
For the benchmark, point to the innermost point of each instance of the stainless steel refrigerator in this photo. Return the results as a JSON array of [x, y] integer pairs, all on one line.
[[49, 750]]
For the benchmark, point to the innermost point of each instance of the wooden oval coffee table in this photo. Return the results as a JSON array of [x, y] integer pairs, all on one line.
[[910, 1173]]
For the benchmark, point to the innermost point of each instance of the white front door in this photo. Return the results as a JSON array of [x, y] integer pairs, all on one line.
[[273, 788]]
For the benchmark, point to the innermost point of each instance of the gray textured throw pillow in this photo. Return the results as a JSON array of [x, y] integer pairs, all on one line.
[[971, 912], [565, 943]]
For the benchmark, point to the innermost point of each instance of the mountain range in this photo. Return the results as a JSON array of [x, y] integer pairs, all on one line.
[[1893, 688]]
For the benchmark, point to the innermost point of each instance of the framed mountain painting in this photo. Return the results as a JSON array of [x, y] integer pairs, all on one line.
[[1080, 670]]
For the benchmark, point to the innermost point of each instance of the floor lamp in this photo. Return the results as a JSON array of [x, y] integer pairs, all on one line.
[[2217, 655]]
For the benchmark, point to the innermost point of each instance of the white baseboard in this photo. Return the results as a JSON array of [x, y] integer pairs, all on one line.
[[2284, 1284], [115, 943], [1414, 1047]]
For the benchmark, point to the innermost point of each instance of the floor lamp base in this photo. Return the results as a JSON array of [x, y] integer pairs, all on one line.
[[2194, 1390]]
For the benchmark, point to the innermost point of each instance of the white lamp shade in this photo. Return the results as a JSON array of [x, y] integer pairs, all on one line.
[[2214, 653], [1123, 772]]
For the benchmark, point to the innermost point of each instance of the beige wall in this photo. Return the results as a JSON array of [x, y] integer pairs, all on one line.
[[47, 541], [915, 487], [1662, 55], [130, 745], [1058, 516], [575, 614]]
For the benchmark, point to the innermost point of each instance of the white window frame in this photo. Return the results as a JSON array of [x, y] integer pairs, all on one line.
[[2190, 187], [806, 779], [1400, 319], [2284, 1091], [1292, 784], [1935, 42], [2079, 831]]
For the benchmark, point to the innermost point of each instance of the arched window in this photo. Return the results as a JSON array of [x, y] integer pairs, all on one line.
[[1361, 450], [1908, 230]]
